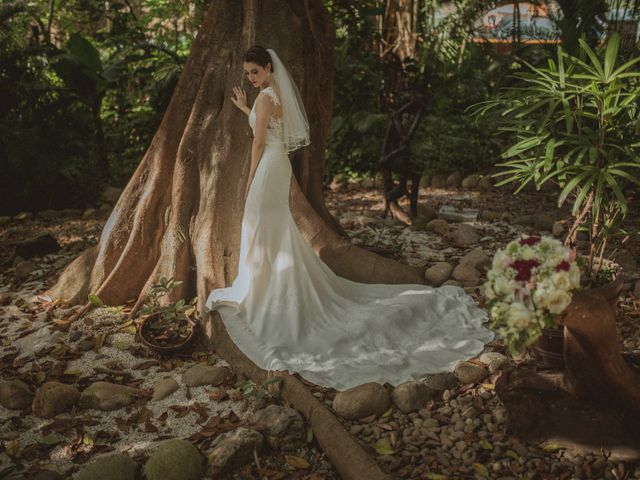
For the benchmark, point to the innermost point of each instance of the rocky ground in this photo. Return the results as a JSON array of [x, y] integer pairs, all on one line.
[[92, 400]]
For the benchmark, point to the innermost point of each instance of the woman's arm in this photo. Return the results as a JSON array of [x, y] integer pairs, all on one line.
[[263, 112], [241, 100]]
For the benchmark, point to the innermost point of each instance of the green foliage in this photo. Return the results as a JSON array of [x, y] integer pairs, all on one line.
[[575, 122], [97, 101], [250, 389], [177, 310], [358, 124]]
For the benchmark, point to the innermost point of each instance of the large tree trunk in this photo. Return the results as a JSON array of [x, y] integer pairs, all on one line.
[[180, 214]]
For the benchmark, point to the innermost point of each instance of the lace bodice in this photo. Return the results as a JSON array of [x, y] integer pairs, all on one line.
[[275, 125]]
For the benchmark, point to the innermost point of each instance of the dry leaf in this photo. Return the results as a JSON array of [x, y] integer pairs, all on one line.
[[296, 462], [382, 447], [481, 469], [12, 447]]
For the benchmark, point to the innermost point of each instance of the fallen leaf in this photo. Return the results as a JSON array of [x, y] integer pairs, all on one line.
[[296, 462], [218, 395], [512, 454], [382, 447], [552, 447], [481, 469], [100, 340], [12, 447], [486, 445], [435, 476]]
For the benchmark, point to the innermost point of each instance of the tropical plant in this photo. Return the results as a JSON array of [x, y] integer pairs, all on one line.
[[575, 122], [172, 322]]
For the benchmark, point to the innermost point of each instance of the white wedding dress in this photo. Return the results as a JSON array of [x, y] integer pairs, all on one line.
[[287, 310]]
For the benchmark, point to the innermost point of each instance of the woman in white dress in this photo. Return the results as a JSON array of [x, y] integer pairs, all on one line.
[[287, 310]]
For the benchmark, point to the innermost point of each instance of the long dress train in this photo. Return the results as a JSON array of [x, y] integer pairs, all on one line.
[[287, 310]]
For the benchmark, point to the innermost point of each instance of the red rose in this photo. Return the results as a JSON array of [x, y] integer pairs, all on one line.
[[524, 267], [563, 266], [529, 241]]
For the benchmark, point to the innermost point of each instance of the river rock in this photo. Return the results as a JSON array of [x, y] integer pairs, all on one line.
[[427, 212], [438, 181], [411, 396], [559, 229], [15, 395], [164, 387], [470, 182], [506, 217], [111, 467], [525, 220], [175, 460], [23, 270], [108, 396], [489, 215], [464, 236], [442, 381], [495, 361], [466, 275], [368, 183], [438, 225], [544, 222], [485, 184], [468, 372], [53, 398], [37, 246], [205, 375], [439, 273], [234, 449], [361, 401], [285, 427], [477, 259], [454, 180]]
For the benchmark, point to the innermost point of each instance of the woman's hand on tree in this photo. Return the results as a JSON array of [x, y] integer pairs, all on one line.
[[240, 99]]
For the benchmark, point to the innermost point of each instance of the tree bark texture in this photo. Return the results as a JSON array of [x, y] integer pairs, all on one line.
[[180, 214], [593, 355]]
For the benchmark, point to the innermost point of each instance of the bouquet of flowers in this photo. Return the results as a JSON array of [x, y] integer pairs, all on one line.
[[528, 287]]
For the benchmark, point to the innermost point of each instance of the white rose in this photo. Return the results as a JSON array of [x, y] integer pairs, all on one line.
[[503, 287], [528, 253], [500, 260], [488, 291], [574, 275], [562, 280], [558, 301], [519, 315], [540, 297]]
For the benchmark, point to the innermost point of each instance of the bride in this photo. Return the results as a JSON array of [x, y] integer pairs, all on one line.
[[287, 310]]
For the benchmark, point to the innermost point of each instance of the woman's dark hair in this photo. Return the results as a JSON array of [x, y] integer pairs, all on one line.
[[259, 56]]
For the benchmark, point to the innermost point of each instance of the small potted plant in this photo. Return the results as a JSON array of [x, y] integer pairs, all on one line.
[[166, 328], [575, 123], [528, 287]]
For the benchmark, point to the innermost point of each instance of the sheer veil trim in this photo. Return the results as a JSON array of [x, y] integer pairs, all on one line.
[[294, 116]]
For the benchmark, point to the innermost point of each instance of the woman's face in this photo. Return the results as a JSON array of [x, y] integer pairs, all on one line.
[[255, 73]]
